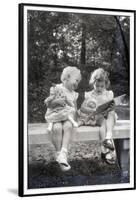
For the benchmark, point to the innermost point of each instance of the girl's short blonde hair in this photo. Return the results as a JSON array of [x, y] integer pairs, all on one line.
[[70, 71], [99, 75]]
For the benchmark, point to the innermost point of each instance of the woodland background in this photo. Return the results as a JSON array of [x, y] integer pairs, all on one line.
[[88, 41]]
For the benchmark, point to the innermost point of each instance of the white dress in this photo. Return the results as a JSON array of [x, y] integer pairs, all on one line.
[[99, 99], [59, 113], [106, 95]]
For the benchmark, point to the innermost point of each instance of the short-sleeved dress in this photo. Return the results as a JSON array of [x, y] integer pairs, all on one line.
[[99, 99], [59, 113], [106, 95]]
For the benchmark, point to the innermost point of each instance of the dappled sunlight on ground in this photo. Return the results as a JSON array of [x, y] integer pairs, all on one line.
[[84, 158]]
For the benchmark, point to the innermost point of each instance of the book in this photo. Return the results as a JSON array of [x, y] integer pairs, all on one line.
[[104, 107], [116, 101]]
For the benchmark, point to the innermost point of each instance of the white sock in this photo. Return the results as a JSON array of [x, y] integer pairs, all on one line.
[[57, 155], [109, 135], [60, 157], [64, 149]]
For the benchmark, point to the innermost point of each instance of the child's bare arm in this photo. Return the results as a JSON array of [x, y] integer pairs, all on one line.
[[48, 100], [69, 103], [51, 97]]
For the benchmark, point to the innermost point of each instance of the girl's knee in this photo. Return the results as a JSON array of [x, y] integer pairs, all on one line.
[[101, 121], [103, 126], [57, 127], [67, 125], [111, 114], [102, 132]]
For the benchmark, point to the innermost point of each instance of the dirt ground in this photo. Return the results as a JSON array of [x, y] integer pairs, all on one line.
[[87, 167]]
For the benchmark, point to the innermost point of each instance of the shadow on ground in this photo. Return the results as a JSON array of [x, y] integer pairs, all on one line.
[[85, 172], [87, 166]]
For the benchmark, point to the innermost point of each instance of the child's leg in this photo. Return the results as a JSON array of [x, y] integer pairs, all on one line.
[[56, 136], [104, 148], [75, 124], [67, 134], [50, 126], [102, 130], [62, 158], [106, 145], [101, 122], [110, 122]]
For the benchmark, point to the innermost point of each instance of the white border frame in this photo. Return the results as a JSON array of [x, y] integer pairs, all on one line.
[[27, 191]]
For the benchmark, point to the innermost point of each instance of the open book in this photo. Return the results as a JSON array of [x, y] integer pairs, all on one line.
[[102, 108], [117, 101]]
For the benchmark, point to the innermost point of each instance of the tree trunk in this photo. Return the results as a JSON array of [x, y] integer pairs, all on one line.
[[126, 52], [124, 41], [83, 45]]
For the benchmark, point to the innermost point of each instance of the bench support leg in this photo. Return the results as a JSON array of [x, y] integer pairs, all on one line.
[[122, 149]]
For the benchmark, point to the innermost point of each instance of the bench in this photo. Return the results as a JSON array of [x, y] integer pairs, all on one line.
[[37, 134]]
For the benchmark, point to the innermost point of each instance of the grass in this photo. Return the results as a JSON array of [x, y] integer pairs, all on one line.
[[85, 160]]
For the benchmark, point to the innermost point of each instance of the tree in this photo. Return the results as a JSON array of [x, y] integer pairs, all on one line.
[[89, 41], [126, 49]]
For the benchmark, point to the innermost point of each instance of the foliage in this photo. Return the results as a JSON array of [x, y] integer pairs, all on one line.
[[88, 41]]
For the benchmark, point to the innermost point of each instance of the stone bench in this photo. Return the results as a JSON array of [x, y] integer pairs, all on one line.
[[37, 134]]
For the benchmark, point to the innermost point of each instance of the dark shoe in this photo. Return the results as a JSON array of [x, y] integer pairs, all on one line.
[[108, 143], [110, 161]]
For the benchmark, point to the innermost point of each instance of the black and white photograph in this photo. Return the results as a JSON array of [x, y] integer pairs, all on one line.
[[76, 99]]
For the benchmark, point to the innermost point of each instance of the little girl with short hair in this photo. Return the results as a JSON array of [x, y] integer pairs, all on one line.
[[61, 113], [99, 82]]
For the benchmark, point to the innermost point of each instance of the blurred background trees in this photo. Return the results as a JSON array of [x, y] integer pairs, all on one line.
[[88, 41]]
